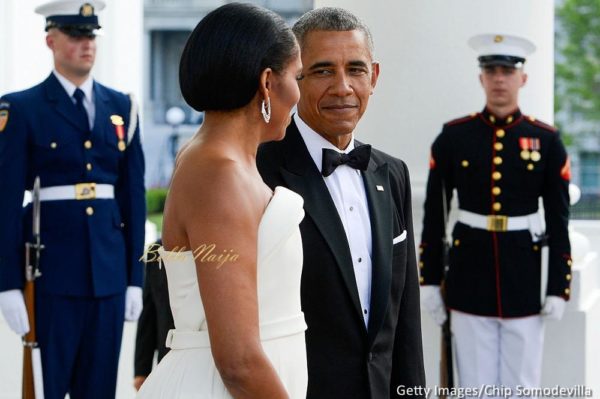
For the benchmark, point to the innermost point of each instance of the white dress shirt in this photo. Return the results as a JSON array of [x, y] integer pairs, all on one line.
[[347, 189], [88, 89]]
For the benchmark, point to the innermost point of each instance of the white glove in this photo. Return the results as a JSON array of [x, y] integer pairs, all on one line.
[[554, 307], [133, 303], [13, 309], [431, 300]]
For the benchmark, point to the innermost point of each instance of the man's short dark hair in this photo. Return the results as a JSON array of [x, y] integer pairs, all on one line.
[[224, 56], [330, 19]]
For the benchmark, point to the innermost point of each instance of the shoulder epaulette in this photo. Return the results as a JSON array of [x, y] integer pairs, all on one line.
[[539, 123], [462, 120]]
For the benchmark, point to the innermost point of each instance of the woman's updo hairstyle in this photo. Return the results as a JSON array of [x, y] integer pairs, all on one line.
[[227, 51]]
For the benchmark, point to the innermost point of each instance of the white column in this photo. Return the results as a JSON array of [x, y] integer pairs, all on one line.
[[429, 74]]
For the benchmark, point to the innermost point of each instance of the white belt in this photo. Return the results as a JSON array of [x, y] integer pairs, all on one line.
[[180, 339], [81, 191], [500, 222]]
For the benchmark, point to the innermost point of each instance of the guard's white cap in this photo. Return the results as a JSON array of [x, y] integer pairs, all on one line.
[[74, 17], [498, 49]]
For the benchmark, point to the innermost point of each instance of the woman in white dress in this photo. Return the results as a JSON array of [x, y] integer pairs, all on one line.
[[232, 248]]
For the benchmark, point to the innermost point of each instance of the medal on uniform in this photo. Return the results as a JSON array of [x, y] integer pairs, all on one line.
[[4, 106], [535, 147], [524, 144], [117, 121]]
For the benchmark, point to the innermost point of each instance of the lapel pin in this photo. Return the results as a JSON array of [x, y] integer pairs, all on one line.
[[379, 188]]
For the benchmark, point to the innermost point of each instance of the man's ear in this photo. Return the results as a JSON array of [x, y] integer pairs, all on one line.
[[50, 41], [523, 79], [481, 79], [374, 75]]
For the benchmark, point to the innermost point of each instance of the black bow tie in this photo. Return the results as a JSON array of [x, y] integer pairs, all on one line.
[[358, 158]]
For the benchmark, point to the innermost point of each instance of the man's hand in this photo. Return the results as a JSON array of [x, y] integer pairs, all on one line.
[[431, 300], [554, 307], [13, 309], [138, 380], [133, 303]]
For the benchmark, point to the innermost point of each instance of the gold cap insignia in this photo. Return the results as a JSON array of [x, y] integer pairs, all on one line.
[[86, 10], [498, 38]]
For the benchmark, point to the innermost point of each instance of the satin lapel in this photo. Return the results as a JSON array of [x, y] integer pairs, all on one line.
[[377, 186], [62, 103], [303, 177], [102, 117]]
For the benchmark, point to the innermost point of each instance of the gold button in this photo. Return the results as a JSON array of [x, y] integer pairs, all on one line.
[[87, 144], [509, 119], [53, 145], [529, 166], [421, 264], [496, 190], [536, 248], [89, 210], [500, 133], [456, 242], [496, 175], [465, 163], [497, 160], [421, 250], [567, 291], [88, 166], [421, 280], [498, 146], [568, 277], [497, 206], [569, 263], [492, 119], [531, 118]]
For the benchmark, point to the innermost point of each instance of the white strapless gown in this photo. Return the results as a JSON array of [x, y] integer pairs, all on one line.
[[188, 370]]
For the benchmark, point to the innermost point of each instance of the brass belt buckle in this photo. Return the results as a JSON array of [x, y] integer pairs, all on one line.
[[84, 191], [497, 222]]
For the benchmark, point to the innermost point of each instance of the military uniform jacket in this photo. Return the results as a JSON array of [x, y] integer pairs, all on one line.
[[92, 246], [497, 167]]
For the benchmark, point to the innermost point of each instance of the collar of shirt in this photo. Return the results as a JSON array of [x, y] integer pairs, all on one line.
[[315, 142], [87, 87]]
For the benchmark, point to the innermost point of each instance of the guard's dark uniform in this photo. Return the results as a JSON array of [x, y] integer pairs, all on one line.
[[92, 246], [498, 167]]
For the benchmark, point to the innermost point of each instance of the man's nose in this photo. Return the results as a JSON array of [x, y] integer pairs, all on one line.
[[341, 85]]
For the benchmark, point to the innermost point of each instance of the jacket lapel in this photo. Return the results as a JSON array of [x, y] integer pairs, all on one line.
[[62, 103], [302, 176], [100, 101], [377, 187]]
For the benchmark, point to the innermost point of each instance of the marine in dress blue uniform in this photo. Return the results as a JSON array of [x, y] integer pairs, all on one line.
[[89, 158], [500, 162]]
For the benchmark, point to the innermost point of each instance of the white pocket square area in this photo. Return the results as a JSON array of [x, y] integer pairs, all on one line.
[[400, 238]]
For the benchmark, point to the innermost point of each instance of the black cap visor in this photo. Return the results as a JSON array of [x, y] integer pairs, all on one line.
[[501, 60]]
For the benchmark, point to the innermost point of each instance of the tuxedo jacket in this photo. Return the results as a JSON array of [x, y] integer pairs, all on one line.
[[345, 358], [155, 320], [92, 246]]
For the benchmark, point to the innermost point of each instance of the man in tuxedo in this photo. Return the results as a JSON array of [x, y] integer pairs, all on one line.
[[360, 293]]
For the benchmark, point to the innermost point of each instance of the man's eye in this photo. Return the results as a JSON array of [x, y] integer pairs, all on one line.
[[299, 77], [322, 72]]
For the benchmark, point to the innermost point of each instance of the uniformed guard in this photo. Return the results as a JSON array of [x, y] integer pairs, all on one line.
[[82, 139], [500, 162]]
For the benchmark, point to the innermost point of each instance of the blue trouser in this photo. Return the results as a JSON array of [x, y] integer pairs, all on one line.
[[80, 340]]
